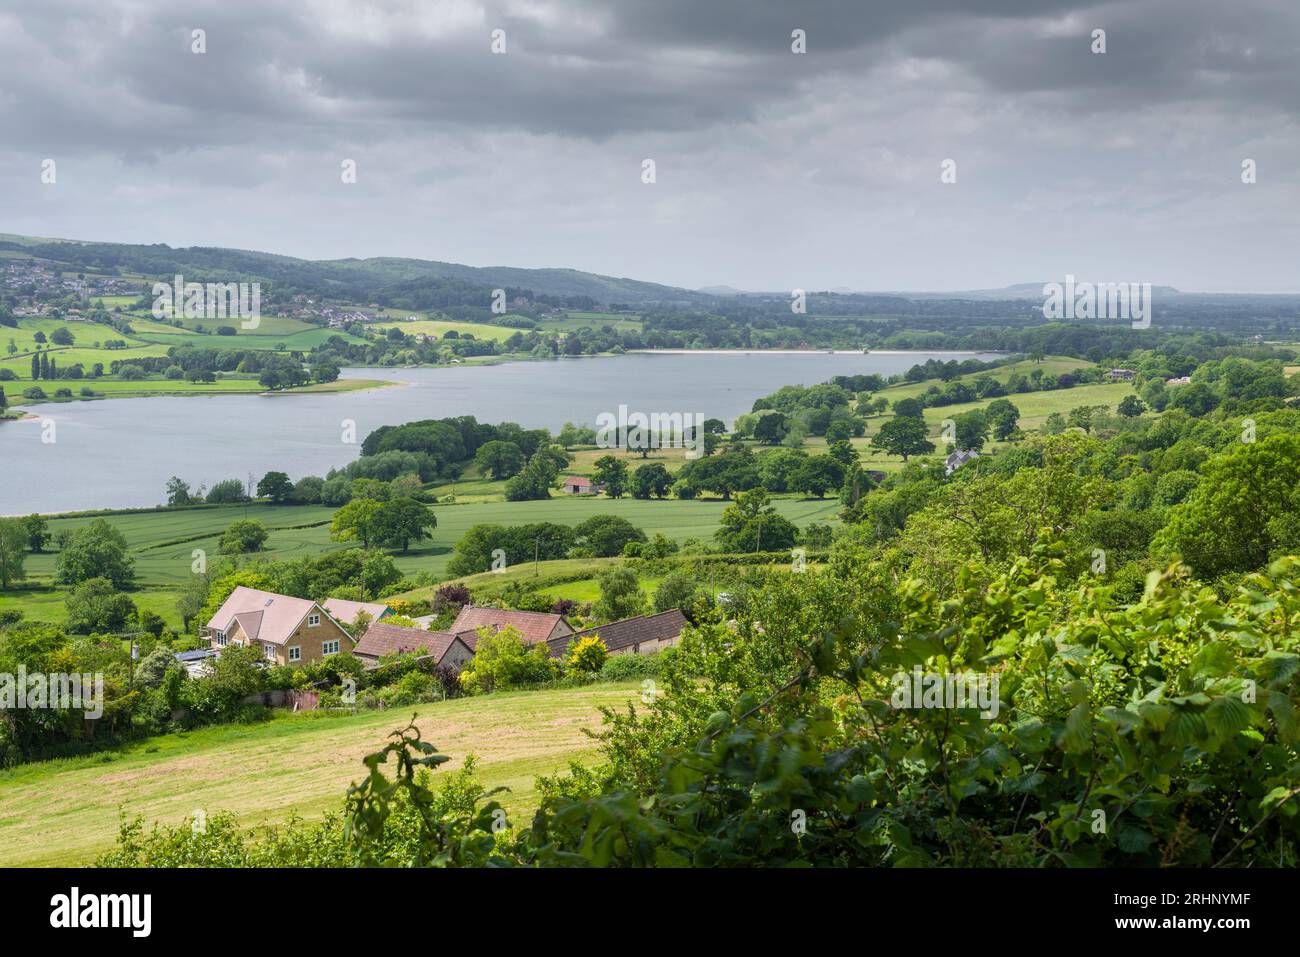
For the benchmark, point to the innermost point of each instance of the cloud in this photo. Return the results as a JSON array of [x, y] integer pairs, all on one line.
[[775, 169]]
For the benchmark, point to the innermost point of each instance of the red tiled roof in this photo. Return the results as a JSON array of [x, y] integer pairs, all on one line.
[[629, 632], [381, 639], [533, 626]]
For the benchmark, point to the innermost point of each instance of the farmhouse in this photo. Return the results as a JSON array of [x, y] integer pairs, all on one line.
[[348, 611], [641, 635], [1179, 380], [287, 630], [443, 647], [533, 626], [1121, 375]]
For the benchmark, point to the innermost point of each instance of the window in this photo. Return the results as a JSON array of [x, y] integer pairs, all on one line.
[[328, 648], [268, 649], [221, 637], [313, 620], [295, 653]]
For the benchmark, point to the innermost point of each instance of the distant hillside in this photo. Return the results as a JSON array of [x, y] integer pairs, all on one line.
[[407, 283]]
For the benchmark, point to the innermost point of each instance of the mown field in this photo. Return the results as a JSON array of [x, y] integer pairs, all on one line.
[[65, 812]]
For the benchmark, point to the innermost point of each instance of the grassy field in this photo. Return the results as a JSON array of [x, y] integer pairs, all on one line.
[[162, 543], [65, 812], [440, 327]]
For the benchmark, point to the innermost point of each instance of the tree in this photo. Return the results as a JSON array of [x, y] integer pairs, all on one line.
[[378, 571], [620, 595], [771, 427], [178, 492], [95, 550], [38, 530], [227, 492], [817, 474], [611, 473], [1131, 407], [677, 590], [651, 479], [607, 535], [903, 435], [499, 459], [971, 429], [61, 336], [1003, 417], [95, 606], [1242, 509], [402, 521], [356, 521], [13, 551], [751, 524], [245, 535], [536, 479], [910, 408], [275, 486]]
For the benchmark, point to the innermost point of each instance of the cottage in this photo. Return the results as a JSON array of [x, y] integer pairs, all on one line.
[[443, 647], [1179, 380], [957, 458], [642, 635], [533, 626], [1121, 375], [287, 630]]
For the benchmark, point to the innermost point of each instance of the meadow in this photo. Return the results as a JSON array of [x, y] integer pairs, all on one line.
[[290, 764]]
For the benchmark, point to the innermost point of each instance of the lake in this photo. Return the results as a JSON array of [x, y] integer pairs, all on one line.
[[119, 453]]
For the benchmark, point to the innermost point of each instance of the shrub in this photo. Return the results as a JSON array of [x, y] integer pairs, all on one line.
[[629, 667], [586, 655]]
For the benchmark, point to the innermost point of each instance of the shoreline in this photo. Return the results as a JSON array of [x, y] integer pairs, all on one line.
[[812, 352]]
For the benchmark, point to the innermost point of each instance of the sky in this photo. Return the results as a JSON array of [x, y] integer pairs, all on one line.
[[772, 169]]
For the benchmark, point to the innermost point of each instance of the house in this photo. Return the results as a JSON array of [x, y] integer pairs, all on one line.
[[642, 635], [1179, 380], [348, 611], [533, 626], [443, 647], [287, 630], [957, 458], [1121, 375], [581, 485]]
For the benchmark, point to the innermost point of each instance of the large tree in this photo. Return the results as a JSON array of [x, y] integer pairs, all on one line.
[[402, 521], [903, 435], [499, 459], [96, 550], [611, 473], [276, 486]]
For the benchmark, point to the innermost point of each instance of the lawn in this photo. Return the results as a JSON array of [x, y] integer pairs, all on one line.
[[65, 812]]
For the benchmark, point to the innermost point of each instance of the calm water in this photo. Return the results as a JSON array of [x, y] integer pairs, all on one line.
[[119, 453]]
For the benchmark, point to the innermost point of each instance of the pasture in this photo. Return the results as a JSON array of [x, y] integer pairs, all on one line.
[[291, 764]]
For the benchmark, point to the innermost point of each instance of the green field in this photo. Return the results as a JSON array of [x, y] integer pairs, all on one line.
[[162, 542], [440, 327], [291, 764]]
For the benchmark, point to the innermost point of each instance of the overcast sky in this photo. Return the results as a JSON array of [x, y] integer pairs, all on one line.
[[774, 170]]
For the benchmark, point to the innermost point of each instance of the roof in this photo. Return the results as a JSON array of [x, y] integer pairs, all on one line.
[[263, 615], [348, 611], [198, 655], [381, 639], [533, 626], [578, 480], [629, 632]]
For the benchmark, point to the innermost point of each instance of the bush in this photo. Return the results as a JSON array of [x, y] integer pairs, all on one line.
[[586, 655], [630, 667]]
